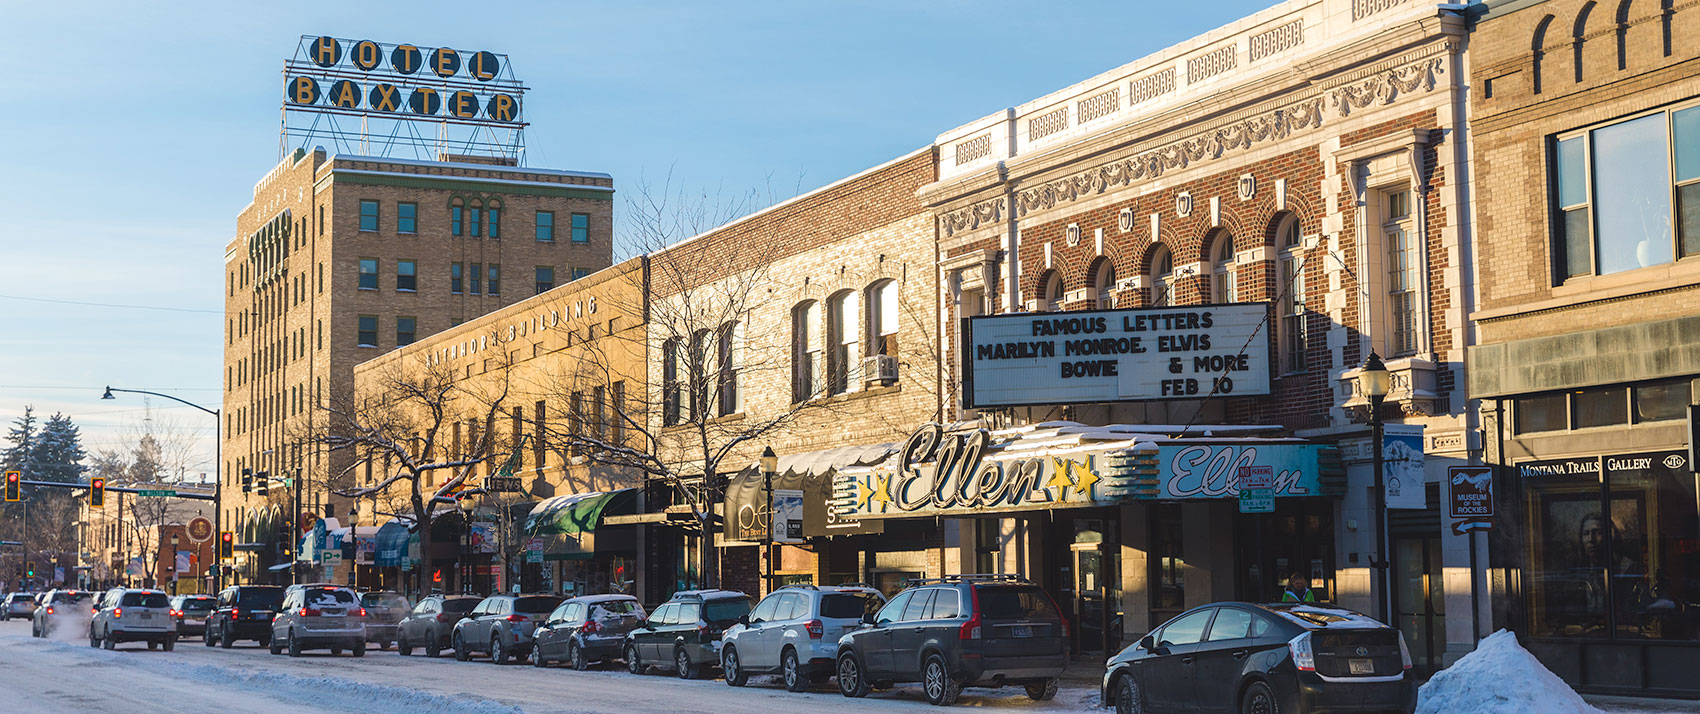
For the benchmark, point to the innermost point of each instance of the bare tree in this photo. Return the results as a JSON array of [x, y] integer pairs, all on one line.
[[403, 422]]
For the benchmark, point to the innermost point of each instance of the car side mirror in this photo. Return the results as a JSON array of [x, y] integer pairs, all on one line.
[[868, 618], [1147, 644], [744, 620]]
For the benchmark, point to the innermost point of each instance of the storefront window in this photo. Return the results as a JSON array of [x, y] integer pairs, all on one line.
[[1661, 401], [1601, 406], [1541, 413], [1168, 594]]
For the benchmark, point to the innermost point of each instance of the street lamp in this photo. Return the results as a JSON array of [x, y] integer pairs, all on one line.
[[173, 563], [769, 464], [466, 545], [218, 462], [1374, 383], [353, 537]]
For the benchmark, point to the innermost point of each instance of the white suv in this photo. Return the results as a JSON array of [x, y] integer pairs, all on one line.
[[794, 631], [319, 615], [132, 614]]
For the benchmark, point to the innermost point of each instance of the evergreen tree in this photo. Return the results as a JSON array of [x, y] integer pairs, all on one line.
[[59, 451], [148, 461], [20, 455]]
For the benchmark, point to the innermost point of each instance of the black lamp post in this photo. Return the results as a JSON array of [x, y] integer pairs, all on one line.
[[1374, 383], [466, 506], [769, 464], [353, 537], [218, 464]]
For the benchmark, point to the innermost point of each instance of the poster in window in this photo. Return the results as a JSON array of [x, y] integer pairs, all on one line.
[[1578, 543]]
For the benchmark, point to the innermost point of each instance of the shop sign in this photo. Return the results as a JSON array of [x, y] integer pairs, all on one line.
[[200, 529], [1192, 471], [1470, 497], [1402, 466], [1560, 468], [1257, 489], [1100, 356]]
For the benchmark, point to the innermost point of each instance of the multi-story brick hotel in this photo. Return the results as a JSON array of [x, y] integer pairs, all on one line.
[[340, 258]]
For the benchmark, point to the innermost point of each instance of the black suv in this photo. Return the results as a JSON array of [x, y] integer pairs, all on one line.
[[1287, 657], [957, 631], [243, 612], [685, 631]]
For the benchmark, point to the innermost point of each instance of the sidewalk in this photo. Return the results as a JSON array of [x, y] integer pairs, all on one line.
[[1641, 705]]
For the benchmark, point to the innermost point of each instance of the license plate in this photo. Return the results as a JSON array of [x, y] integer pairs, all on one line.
[[147, 616], [1021, 631], [1360, 666]]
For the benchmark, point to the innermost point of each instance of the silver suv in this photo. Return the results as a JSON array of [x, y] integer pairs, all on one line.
[[794, 631], [319, 615], [132, 614]]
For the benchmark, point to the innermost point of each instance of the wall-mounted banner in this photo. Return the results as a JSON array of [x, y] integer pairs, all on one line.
[[787, 510], [1115, 355], [1211, 470], [1402, 465]]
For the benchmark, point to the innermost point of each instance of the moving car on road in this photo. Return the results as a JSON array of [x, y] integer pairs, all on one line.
[[319, 616], [432, 623], [191, 613], [243, 612], [586, 629], [1295, 658], [383, 610], [18, 605], [131, 615], [503, 626], [794, 631], [959, 631], [63, 608], [685, 631]]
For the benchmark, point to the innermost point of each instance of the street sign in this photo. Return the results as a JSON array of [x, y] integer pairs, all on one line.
[[506, 484], [1470, 497], [156, 492], [1257, 489], [200, 529], [534, 556], [534, 543]]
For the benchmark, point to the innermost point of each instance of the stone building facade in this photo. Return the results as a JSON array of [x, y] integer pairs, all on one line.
[[339, 258], [1586, 123]]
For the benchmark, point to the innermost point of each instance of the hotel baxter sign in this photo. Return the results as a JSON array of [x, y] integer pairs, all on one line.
[[1115, 355]]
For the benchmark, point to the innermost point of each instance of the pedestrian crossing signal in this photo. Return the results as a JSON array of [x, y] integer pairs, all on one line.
[[97, 493], [226, 545], [14, 487]]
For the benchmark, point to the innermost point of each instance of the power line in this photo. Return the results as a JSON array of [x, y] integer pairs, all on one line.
[[107, 304]]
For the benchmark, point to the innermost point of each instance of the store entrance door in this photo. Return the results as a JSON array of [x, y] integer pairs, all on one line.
[[1098, 620], [1419, 599]]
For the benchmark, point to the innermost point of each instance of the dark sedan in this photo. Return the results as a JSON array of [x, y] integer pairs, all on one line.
[[1242, 657]]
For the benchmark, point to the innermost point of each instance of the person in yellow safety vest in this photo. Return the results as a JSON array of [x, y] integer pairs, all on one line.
[[1298, 589]]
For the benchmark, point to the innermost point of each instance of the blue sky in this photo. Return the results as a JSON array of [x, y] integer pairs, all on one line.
[[134, 133]]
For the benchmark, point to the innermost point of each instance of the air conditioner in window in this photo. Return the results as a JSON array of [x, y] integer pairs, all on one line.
[[879, 370]]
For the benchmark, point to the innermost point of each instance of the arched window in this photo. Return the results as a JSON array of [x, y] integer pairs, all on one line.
[[493, 217], [805, 351], [1222, 285], [457, 216], [728, 363], [1162, 277], [1290, 300], [475, 217], [1050, 292], [841, 340], [1104, 285], [882, 331]]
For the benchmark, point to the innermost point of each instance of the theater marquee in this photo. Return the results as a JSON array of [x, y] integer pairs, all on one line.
[[1115, 355]]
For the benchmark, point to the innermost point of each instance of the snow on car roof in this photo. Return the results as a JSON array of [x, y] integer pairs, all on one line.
[[1333, 618]]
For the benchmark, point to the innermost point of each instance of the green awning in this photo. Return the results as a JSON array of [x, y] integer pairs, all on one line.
[[567, 524]]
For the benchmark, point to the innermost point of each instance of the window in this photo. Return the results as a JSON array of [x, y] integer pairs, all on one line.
[[1222, 285], [407, 218], [581, 228], [476, 275], [368, 216], [475, 218], [918, 606], [617, 397], [671, 389], [805, 351], [368, 273], [404, 330], [842, 339], [1162, 277], [1104, 285], [455, 274], [546, 226], [368, 331], [580, 273], [1231, 623], [702, 342], [883, 321], [405, 277], [493, 218], [946, 605], [1402, 275], [493, 286], [457, 222], [1616, 190], [1051, 292], [1662, 401], [1290, 302], [1186, 629], [545, 279], [726, 367]]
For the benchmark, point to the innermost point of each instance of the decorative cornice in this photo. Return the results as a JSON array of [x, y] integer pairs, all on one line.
[[972, 217]]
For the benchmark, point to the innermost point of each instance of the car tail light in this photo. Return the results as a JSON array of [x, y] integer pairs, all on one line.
[[1064, 625], [590, 626], [117, 612], [704, 632], [360, 612], [49, 609], [173, 613], [1304, 658], [517, 618], [1404, 654], [310, 612], [94, 609], [235, 613], [971, 629], [816, 629], [445, 617]]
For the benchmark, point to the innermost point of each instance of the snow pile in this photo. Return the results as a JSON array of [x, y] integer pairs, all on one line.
[[1500, 677], [337, 693]]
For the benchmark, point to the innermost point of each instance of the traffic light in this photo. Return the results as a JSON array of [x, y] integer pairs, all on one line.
[[97, 492], [263, 483], [226, 545], [14, 489], [247, 480]]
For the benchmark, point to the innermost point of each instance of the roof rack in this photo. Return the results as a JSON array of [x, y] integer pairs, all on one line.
[[799, 586], [972, 578]]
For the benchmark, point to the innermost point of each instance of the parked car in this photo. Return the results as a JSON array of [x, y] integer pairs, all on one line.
[[1241, 657], [685, 631], [794, 631], [191, 613], [432, 623], [383, 610], [319, 616], [587, 629], [503, 626], [18, 605], [955, 632], [130, 615], [63, 608], [243, 612]]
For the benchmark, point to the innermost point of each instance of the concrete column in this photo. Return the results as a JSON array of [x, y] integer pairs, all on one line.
[[1197, 550], [1135, 554]]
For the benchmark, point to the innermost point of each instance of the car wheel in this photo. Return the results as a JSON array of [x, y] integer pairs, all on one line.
[[537, 658], [107, 642], [498, 650], [94, 640], [153, 644], [633, 664], [207, 636], [685, 668], [336, 650], [402, 647], [575, 655], [1127, 696], [1259, 699], [226, 639], [275, 647], [937, 683], [1042, 690], [294, 645], [792, 670], [729, 664], [384, 645], [169, 645], [360, 648], [433, 645], [461, 655], [851, 680]]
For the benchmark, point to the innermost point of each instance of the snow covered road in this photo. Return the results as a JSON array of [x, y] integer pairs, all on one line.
[[68, 676]]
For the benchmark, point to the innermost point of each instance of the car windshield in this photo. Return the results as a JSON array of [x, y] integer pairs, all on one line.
[[198, 603], [260, 598], [144, 600], [464, 604], [328, 597], [849, 606], [724, 610], [390, 600], [70, 597], [1015, 603], [538, 605]]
